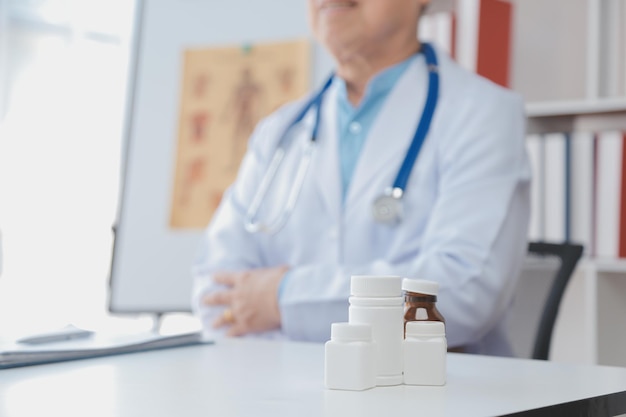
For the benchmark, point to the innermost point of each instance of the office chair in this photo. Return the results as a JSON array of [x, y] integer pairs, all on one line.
[[541, 286]]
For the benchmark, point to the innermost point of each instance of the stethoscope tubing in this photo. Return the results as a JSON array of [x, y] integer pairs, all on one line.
[[396, 192], [424, 124]]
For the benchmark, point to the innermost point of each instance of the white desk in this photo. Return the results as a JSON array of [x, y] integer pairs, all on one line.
[[263, 378]]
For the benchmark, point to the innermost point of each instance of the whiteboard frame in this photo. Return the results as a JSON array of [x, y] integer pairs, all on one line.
[[132, 293]]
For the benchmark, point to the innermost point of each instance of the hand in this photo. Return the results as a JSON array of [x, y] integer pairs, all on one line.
[[251, 300]]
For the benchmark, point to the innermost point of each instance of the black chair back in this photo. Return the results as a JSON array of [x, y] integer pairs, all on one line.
[[542, 284]]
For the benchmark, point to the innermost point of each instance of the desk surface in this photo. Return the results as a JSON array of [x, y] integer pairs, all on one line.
[[265, 378]]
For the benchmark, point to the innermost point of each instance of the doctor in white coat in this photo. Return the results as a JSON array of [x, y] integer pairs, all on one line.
[[465, 207]]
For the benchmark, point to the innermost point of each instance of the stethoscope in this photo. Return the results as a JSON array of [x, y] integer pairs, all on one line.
[[387, 208]]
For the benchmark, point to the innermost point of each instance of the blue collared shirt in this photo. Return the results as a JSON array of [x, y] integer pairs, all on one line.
[[354, 123]]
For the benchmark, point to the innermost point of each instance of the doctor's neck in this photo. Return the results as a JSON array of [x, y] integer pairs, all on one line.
[[357, 69]]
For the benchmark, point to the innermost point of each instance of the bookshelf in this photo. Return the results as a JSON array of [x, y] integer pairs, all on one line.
[[591, 42], [608, 288], [567, 58], [590, 328], [576, 115]]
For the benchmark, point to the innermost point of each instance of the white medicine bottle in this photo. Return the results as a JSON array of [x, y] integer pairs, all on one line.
[[425, 349], [378, 301], [349, 361]]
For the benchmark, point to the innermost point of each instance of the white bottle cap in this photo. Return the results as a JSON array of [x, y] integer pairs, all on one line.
[[420, 286], [376, 286], [425, 328], [351, 332]]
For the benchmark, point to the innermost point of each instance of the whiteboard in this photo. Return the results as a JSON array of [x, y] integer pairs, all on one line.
[[151, 266]]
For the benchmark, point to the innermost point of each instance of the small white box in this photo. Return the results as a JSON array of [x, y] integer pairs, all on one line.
[[425, 350], [350, 358]]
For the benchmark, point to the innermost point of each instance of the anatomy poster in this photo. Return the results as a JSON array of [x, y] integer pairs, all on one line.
[[224, 93]]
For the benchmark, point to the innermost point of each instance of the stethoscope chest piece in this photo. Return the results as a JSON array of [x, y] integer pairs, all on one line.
[[387, 208]]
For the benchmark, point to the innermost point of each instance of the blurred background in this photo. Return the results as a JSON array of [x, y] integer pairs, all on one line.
[[65, 98]]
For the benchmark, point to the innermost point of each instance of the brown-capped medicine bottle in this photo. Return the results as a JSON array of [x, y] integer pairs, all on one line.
[[420, 301]]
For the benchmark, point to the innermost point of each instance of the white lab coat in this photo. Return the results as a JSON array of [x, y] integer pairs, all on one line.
[[466, 210]]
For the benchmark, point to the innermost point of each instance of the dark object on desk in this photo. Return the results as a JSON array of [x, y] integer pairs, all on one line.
[[545, 276], [94, 348], [613, 404]]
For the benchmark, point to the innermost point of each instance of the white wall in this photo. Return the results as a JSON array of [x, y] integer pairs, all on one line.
[[621, 87], [550, 53], [612, 33], [3, 64]]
